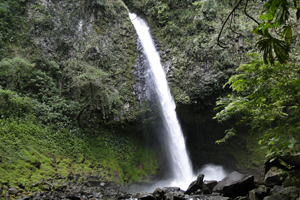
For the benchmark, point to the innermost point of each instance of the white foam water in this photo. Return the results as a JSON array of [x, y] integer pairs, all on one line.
[[213, 172]]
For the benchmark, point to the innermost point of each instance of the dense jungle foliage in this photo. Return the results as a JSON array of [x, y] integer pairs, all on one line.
[[67, 81]]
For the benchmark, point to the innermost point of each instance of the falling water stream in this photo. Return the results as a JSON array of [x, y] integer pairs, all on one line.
[[181, 166]]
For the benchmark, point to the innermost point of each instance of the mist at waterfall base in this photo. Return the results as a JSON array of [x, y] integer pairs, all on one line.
[[181, 167], [210, 171], [213, 172]]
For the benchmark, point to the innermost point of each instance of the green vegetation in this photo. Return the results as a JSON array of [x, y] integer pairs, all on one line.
[[67, 78], [80, 151], [187, 32], [278, 16], [66, 99], [68, 65], [265, 98], [265, 91], [12, 23], [275, 30]]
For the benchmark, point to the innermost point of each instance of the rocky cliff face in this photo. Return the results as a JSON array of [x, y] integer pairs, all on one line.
[[92, 44]]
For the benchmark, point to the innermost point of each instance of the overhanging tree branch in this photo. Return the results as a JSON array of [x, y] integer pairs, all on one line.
[[218, 40], [245, 11]]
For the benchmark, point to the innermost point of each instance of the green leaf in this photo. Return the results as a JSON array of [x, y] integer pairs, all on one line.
[[276, 24], [281, 49], [287, 33], [265, 27], [262, 17], [274, 4], [264, 147], [257, 30], [270, 154], [270, 16], [282, 162]]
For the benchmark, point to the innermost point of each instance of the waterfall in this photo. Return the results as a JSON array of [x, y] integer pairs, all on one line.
[[181, 165]]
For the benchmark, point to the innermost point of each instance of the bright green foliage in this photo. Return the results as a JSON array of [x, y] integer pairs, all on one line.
[[266, 99], [13, 105], [64, 151], [277, 29], [39, 80]]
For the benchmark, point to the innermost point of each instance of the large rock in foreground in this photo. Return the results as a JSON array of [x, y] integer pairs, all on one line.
[[273, 177], [235, 184], [195, 185]]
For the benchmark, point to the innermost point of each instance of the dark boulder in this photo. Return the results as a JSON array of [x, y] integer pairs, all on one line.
[[208, 186], [235, 184], [97, 194], [276, 197], [149, 197], [169, 196], [60, 187], [274, 177], [276, 189], [288, 182], [143, 196], [290, 192], [47, 187], [87, 192], [174, 196], [158, 193], [125, 196], [178, 198], [92, 183], [111, 185], [258, 193], [200, 178], [21, 185], [35, 184], [170, 189], [195, 185], [12, 190]]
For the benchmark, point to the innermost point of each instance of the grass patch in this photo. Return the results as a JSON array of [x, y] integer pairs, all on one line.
[[31, 151]]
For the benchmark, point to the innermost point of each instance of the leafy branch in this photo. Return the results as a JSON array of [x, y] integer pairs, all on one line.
[[274, 17]]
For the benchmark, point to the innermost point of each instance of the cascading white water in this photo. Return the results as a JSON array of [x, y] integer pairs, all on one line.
[[182, 169]]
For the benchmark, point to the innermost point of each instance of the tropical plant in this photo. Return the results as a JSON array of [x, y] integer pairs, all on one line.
[[275, 29], [265, 98]]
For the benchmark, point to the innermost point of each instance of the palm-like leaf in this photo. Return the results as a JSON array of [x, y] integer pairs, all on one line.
[[268, 45]]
